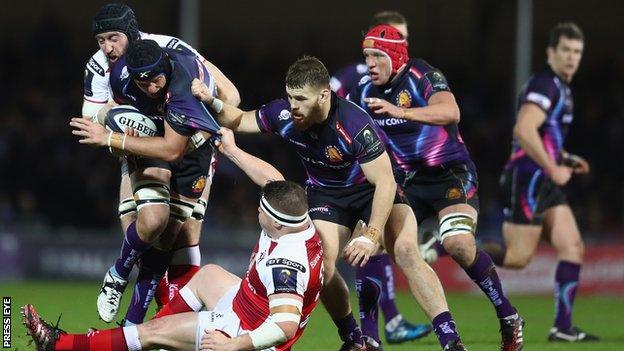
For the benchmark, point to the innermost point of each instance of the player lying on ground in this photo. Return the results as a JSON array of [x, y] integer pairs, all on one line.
[[269, 307]]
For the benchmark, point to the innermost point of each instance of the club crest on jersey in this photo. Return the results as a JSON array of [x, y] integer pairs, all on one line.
[[333, 154], [199, 184], [404, 99], [284, 115], [453, 193], [124, 73]]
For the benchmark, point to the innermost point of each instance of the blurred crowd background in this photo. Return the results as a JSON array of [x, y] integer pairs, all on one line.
[[50, 183]]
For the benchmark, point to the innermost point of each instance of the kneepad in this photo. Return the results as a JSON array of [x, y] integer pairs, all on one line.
[[180, 209], [151, 192], [126, 206], [455, 224], [199, 209]]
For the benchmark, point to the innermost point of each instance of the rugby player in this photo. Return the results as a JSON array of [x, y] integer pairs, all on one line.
[[375, 281], [533, 178], [412, 103], [349, 177], [268, 308]]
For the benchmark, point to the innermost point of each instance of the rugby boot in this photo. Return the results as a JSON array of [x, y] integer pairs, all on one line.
[[372, 344], [574, 334], [455, 346], [406, 331], [110, 296], [512, 330], [43, 334]]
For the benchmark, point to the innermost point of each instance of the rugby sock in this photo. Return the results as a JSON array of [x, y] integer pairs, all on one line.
[[153, 266], [483, 273], [133, 247], [368, 288], [445, 329], [162, 292], [348, 329], [185, 263], [566, 284], [183, 301], [99, 340], [387, 303]]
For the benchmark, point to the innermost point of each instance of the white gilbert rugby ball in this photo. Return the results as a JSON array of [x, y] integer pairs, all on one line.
[[119, 118]]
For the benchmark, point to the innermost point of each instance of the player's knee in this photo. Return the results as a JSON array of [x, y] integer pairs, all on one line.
[[517, 260], [151, 223], [461, 247], [329, 269], [406, 253]]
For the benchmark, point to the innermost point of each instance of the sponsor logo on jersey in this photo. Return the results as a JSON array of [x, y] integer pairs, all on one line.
[[404, 99], [333, 154], [172, 43], [323, 209], [387, 122], [96, 67], [199, 184], [300, 144], [284, 115], [324, 164], [286, 262]]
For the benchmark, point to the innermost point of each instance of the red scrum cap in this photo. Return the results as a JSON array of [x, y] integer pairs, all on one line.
[[390, 41]]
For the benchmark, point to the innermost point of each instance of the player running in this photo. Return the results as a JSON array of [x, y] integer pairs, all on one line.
[[537, 169], [268, 308], [412, 102]]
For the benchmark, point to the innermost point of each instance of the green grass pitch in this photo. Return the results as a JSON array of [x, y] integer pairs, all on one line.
[[476, 319]]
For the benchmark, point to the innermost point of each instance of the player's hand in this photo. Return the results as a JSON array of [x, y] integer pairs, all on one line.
[[214, 340], [560, 175], [227, 143], [578, 164], [359, 249], [380, 106], [200, 90], [92, 133]]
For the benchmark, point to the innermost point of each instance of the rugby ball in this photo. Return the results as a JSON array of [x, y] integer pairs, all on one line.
[[122, 117]]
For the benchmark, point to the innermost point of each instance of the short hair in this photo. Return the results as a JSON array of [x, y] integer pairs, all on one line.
[[387, 17], [287, 197], [307, 71], [564, 29]]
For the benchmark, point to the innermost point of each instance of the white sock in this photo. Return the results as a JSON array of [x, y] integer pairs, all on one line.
[[131, 334], [190, 299], [189, 255]]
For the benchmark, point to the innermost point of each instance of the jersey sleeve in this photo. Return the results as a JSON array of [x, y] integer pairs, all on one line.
[[367, 144], [542, 92], [184, 112], [95, 88], [431, 81], [270, 116], [285, 274]]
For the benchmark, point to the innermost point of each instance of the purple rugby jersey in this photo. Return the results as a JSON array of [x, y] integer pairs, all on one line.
[[331, 152], [554, 97], [414, 145], [184, 112]]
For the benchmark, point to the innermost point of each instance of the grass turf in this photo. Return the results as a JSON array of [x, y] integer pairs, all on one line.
[[476, 319]]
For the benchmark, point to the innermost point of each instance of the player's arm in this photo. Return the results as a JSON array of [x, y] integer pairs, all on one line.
[[526, 132], [281, 326], [226, 90], [258, 170], [228, 116], [170, 148], [379, 174], [441, 109]]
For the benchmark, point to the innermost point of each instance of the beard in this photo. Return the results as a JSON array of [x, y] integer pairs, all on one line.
[[312, 118]]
